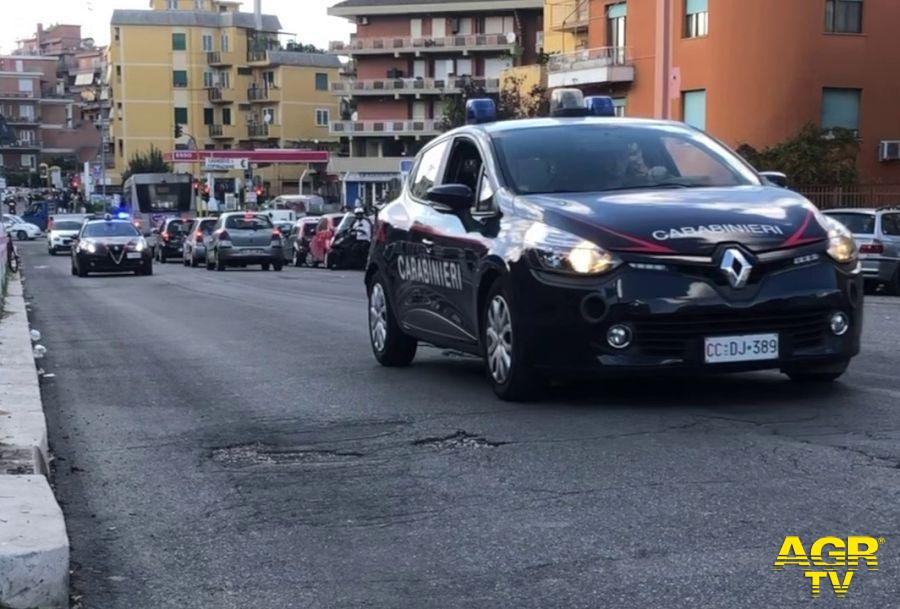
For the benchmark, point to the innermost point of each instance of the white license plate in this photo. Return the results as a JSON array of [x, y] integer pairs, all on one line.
[[747, 348], [252, 251], [133, 255]]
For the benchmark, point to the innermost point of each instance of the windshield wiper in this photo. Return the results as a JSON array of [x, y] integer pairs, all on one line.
[[659, 185]]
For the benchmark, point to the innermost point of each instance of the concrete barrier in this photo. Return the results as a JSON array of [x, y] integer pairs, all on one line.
[[34, 546]]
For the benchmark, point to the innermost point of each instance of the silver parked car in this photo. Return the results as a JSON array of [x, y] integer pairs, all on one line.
[[193, 248], [877, 234], [242, 239]]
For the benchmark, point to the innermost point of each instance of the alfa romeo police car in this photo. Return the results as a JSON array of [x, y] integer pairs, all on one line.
[[579, 243]]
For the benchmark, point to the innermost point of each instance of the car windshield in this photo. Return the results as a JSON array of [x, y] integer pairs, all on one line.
[[178, 227], [109, 229], [66, 225], [602, 157], [248, 222], [346, 223], [859, 224], [207, 226]]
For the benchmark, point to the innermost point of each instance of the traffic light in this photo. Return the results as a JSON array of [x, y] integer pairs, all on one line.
[[75, 184], [179, 131]]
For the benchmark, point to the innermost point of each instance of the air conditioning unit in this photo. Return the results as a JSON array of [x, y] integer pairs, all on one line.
[[362, 21], [889, 150]]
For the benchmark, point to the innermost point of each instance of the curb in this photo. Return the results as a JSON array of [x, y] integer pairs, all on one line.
[[34, 546]]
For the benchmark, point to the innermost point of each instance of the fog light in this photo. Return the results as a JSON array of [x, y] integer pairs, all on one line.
[[619, 336], [839, 324]]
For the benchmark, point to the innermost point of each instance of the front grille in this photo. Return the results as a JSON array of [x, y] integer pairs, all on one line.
[[677, 336]]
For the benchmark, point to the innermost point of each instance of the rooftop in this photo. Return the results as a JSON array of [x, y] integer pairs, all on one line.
[[352, 8], [194, 19], [315, 60]]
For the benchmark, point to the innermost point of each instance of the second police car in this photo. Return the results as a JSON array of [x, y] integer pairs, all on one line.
[[586, 244]]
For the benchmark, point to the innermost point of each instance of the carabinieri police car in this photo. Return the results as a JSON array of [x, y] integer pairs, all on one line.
[[579, 243]]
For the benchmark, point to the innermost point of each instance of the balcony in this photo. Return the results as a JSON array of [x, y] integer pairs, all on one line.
[[263, 95], [23, 145], [569, 15], [16, 95], [222, 132], [263, 131], [413, 127], [258, 58], [218, 95], [218, 59], [23, 121], [590, 66], [412, 86], [407, 44]]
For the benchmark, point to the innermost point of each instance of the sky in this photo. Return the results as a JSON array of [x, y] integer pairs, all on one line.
[[306, 19]]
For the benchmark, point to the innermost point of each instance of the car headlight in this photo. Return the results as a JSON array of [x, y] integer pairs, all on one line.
[[841, 245], [141, 245], [88, 246], [557, 250]]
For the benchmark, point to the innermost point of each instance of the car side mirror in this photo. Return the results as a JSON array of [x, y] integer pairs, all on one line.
[[775, 178], [457, 197]]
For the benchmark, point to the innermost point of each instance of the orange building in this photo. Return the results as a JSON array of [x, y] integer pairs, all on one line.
[[745, 71]]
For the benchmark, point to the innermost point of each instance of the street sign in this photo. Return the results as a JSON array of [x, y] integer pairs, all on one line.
[[215, 164], [250, 197]]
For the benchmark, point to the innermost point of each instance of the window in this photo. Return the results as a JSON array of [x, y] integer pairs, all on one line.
[[226, 116], [426, 173], [26, 85], [843, 16], [693, 108], [485, 203], [696, 18], [207, 42], [208, 116], [615, 24], [856, 223], [840, 108], [179, 42], [116, 34], [224, 79], [323, 117], [464, 164], [268, 116], [181, 116], [225, 45], [119, 73], [179, 78], [890, 224], [269, 78], [321, 81], [172, 5], [208, 80], [28, 161], [200, 5]]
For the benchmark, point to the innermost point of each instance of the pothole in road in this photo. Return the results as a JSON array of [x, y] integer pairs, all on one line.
[[247, 455], [459, 439]]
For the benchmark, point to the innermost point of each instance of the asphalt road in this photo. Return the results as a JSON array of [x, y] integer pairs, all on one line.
[[226, 440]]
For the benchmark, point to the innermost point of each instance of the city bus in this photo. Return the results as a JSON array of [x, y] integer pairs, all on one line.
[[150, 198]]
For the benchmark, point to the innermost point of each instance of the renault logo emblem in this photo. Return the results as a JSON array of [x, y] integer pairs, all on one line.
[[736, 267]]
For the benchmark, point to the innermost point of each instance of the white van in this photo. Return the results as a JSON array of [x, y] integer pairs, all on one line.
[[303, 205]]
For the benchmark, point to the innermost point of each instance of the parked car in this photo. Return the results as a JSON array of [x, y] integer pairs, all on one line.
[[321, 241], [170, 239], [193, 250], [299, 239], [242, 239], [62, 233], [877, 234], [19, 229]]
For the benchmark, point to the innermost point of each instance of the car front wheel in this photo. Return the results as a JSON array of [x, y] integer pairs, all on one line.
[[506, 348], [21, 235], [390, 345]]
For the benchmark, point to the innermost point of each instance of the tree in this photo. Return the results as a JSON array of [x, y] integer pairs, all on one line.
[[151, 161], [515, 102], [298, 47], [811, 157], [455, 106]]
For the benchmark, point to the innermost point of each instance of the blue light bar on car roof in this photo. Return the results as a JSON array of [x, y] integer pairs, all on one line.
[[599, 105], [480, 111]]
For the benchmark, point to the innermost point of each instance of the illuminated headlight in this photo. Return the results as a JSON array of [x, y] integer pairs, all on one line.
[[88, 246], [557, 250], [141, 245], [841, 246]]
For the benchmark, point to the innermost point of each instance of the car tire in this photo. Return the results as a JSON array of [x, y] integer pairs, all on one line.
[[277, 266], [209, 264], [162, 257], [297, 261], [220, 264], [74, 271], [817, 374], [51, 251], [506, 347], [148, 269], [893, 287], [265, 266], [81, 272], [194, 263], [21, 235], [390, 345], [310, 261]]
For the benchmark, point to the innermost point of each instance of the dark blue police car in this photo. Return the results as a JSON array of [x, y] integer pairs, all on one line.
[[585, 244]]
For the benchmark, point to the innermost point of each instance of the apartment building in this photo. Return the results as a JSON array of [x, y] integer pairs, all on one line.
[[747, 72], [411, 57], [43, 118], [221, 78]]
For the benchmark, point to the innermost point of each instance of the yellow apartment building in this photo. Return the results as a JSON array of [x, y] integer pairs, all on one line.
[[217, 77]]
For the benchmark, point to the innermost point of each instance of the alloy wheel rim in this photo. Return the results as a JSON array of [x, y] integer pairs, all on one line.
[[378, 317], [499, 340]]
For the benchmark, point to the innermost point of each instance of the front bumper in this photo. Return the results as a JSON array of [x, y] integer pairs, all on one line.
[[671, 312], [103, 262]]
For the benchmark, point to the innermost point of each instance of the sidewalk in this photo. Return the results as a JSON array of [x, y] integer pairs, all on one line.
[[34, 547]]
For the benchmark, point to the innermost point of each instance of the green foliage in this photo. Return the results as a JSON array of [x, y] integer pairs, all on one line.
[[515, 102], [811, 157], [149, 162], [298, 47], [455, 107]]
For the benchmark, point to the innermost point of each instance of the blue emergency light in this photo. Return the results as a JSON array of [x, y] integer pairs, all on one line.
[[122, 215], [480, 111], [599, 105]]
